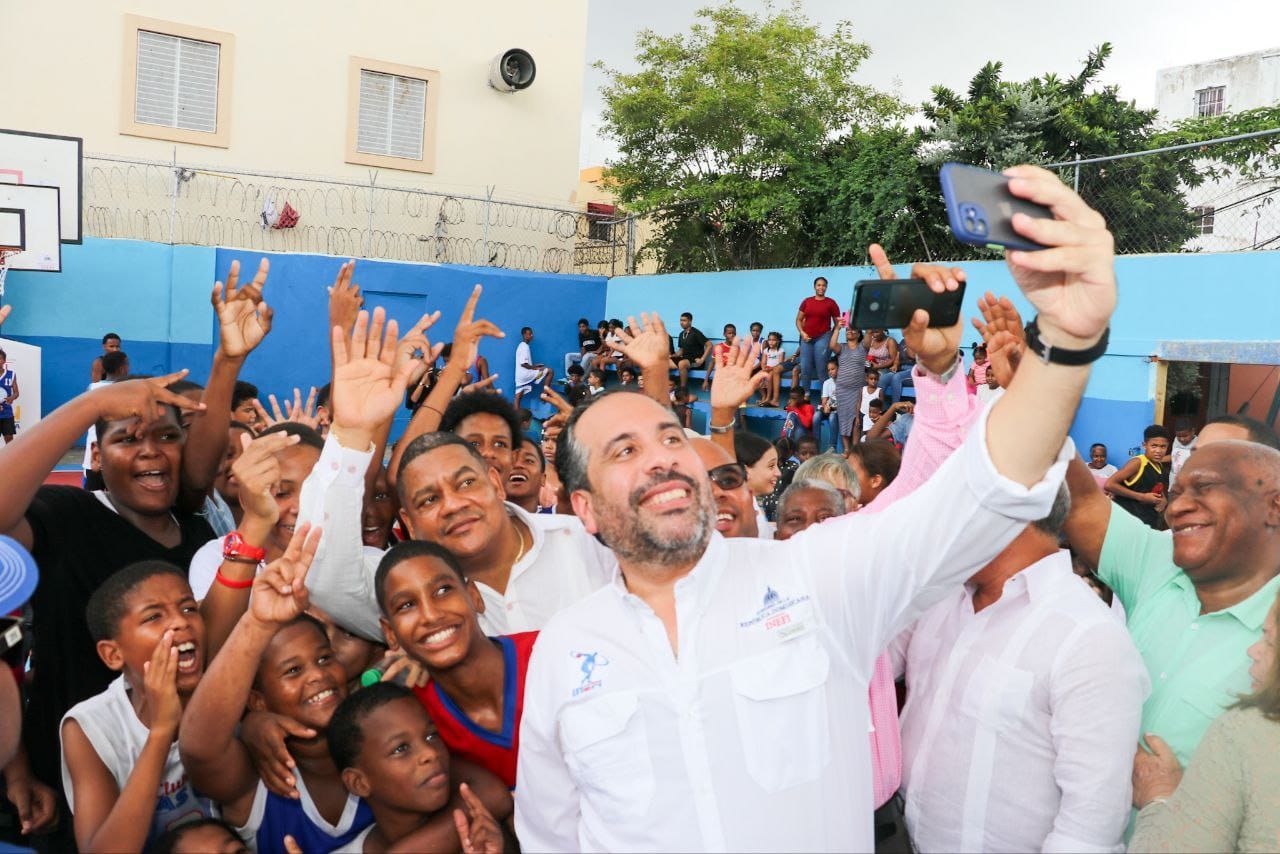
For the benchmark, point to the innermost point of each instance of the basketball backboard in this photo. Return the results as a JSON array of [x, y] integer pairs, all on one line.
[[13, 229], [39, 208], [46, 160]]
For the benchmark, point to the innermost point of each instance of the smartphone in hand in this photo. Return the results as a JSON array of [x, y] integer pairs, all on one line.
[[889, 303], [980, 207]]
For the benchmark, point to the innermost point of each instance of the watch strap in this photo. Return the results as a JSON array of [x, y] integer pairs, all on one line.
[[1051, 355]]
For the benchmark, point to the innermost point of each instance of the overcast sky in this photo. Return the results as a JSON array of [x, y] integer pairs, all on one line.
[[918, 43]]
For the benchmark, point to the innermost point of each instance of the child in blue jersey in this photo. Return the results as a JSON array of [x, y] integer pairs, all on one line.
[[124, 780], [392, 757], [9, 392], [280, 660]]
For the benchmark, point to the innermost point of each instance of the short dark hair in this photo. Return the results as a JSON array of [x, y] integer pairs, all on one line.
[[1097, 445], [107, 606], [1181, 423], [345, 733], [525, 415], [1155, 431], [110, 336], [582, 321], [729, 326], [1258, 432], [481, 401], [408, 550], [306, 435], [807, 440], [179, 387], [240, 425], [873, 371], [878, 458], [687, 314], [529, 440], [243, 391], [576, 370], [322, 396], [1052, 524], [425, 444], [822, 279], [168, 843], [598, 375], [748, 448], [524, 329], [113, 362], [757, 324]]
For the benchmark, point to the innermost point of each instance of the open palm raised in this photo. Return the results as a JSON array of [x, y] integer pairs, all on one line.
[[244, 318], [367, 387]]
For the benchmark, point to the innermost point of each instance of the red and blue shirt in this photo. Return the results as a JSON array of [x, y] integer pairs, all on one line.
[[495, 751]]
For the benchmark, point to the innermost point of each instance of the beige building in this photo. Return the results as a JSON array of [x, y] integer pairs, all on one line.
[[393, 93], [601, 203]]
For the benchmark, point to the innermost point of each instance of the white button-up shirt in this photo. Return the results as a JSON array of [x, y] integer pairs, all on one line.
[[563, 564], [755, 736], [1022, 719]]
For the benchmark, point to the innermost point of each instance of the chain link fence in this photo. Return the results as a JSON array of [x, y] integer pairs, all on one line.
[[1199, 197], [205, 206]]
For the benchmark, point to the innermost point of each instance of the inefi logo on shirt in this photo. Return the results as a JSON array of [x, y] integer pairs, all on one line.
[[588, 662], [778, 613]]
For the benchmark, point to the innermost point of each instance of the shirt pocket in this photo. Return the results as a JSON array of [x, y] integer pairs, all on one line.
[[997, 695], [607, 750], [781, 703]]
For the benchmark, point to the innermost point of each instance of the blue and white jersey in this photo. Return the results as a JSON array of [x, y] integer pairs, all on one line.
[[8, 379], [271, 817]]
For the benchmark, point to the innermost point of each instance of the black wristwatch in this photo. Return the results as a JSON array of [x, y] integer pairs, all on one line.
[[1051, 355]]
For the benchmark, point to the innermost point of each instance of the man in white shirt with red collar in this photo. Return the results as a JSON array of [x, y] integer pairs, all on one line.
[[713, 696], [1024, 702]]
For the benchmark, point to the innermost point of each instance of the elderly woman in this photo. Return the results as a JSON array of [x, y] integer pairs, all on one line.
[[1229, 797]]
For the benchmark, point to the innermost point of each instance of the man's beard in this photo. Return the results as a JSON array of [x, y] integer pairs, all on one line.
[[637, 537]]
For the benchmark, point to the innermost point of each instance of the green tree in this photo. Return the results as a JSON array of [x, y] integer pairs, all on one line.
[[1049, 119], [715, 120]]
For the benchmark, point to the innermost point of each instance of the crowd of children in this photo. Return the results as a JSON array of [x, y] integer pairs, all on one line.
[[277, 630]]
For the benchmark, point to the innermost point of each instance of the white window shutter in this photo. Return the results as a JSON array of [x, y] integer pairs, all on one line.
[[391, 115], [177, 82]]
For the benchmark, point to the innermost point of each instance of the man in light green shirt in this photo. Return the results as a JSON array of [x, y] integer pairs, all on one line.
[[1197, 595]]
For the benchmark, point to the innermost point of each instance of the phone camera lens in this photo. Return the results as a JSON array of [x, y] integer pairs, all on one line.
[[875, 305], [979, 227]]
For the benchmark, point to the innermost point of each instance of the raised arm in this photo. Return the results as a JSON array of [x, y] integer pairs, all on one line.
[[244, 319], [367, 389], [1086, 525], [647, 344], [466, 347], [837, 335], [1073, 286], [738, 378], [215, 759], [27, 460], [258, 471], [886, 418]]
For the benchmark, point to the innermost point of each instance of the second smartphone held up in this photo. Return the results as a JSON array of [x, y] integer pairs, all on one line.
[[889, 304]]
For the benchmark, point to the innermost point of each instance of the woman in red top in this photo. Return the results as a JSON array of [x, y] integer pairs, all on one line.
[[815, 320]]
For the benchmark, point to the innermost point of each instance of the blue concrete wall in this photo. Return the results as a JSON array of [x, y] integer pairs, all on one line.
[[156, 297], [1210, 297], [296, 353]]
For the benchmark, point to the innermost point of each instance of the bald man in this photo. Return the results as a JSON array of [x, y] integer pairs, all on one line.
[[735, 508], [1196, 595]]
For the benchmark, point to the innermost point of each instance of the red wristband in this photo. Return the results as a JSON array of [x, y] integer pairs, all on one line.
[[231, 582]]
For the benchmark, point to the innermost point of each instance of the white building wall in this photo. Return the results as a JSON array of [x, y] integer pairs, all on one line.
[[1246, 211]]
